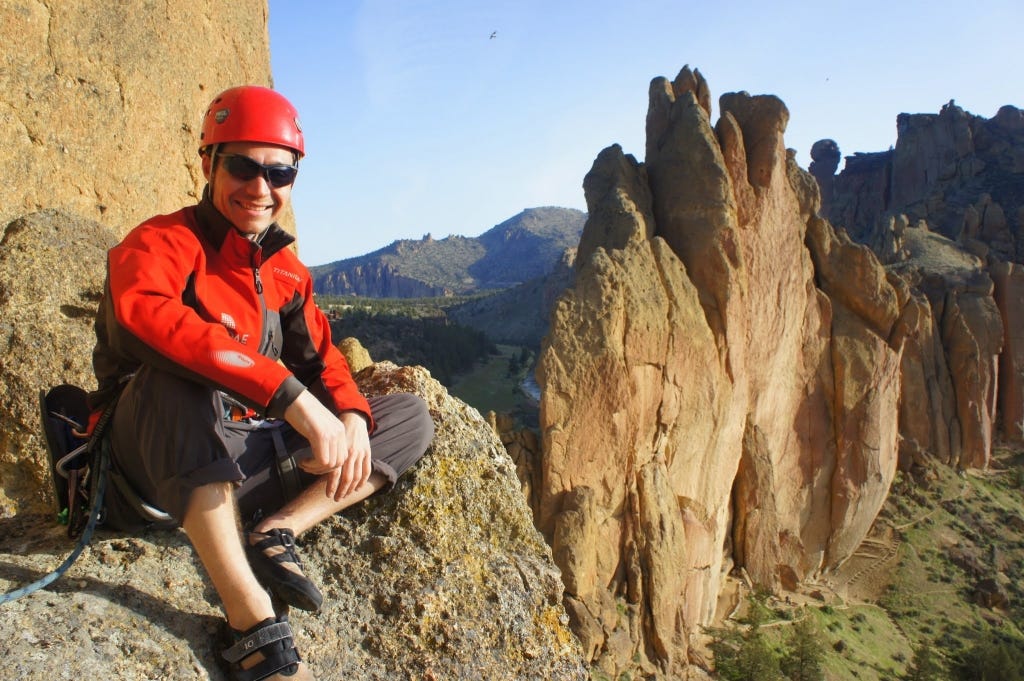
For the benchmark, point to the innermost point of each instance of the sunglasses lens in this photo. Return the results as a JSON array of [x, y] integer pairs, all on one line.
[[245, 169], [242, 167], [281, 176]]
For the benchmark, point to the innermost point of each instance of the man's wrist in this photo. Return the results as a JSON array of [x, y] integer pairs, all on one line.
[[355, 412]]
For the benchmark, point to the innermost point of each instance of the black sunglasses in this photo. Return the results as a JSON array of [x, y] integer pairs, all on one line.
[[244, 168]]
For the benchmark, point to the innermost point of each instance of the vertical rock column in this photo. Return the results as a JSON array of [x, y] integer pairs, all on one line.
[[699, 343], [1009, 296]]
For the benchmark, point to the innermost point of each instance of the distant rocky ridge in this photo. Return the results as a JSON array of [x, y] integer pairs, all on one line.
[[945, 209], [960, 173], [524, 247]]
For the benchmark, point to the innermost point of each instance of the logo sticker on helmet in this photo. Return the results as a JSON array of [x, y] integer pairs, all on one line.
[[221, 115]]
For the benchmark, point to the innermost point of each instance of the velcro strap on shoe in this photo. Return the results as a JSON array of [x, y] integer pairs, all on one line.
[[256, 640], [277, 662]]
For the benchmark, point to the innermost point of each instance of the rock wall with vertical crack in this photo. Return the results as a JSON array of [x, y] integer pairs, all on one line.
[[102, 102], [720, 384], [944, 209]]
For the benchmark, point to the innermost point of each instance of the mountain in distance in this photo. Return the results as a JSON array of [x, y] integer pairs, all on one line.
[[517, 315], [524, 247]]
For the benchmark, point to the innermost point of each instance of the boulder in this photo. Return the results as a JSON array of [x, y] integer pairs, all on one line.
[[52, 266], [825, 159], [357, 356], [990, 593], [443, 578]]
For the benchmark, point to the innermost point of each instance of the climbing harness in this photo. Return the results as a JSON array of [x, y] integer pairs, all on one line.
[[85, 469], [94, 515]]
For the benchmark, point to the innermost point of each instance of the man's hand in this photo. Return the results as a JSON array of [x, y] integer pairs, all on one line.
[[341, 446], [358, 465]]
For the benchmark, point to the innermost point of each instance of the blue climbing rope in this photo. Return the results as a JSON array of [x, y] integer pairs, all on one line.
[[94, 514]]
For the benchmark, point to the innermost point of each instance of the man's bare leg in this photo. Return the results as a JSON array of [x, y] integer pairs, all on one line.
[[211, 523], [313, 505]]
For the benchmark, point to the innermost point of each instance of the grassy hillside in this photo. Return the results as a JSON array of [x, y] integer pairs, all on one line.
[[495, 384], [942, 571], [519, 315]]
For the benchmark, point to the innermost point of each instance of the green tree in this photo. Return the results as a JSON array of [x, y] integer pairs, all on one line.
[[444, 348], [926, 665], [757, 659], [743, 653], [991, 659], [725, 646], [804, 657]]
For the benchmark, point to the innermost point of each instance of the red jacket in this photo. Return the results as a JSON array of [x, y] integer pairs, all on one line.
[[188, 294]]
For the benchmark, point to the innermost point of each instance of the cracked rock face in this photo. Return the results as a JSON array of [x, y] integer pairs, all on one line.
[[944, 210], [102, 102], [719, 384]]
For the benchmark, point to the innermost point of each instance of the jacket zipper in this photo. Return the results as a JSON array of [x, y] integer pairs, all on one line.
[[258, 282], [266, 331]]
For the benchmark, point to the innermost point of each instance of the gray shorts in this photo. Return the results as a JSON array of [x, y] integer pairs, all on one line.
[[169, 436]]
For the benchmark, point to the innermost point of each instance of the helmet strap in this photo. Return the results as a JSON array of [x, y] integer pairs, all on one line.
[[213, 149]]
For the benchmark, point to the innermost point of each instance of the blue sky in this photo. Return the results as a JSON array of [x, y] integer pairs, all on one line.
[[417, 120]]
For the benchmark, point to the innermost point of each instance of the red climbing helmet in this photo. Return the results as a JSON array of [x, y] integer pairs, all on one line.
[[251, 113]]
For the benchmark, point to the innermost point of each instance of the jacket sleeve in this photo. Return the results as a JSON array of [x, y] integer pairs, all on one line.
[[147, 275], [310, 354]]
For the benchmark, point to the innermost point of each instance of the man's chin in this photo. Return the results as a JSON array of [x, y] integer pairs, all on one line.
[[251, 230]]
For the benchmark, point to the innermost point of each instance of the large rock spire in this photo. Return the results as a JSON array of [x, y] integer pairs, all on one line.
[[715, 392]]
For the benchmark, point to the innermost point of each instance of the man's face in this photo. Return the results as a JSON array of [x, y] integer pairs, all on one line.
[[250, 205]]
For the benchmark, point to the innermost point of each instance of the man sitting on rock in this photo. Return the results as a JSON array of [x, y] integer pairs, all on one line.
[[232, 405]]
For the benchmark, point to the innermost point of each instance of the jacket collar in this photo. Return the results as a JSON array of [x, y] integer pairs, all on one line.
[[217, 229]]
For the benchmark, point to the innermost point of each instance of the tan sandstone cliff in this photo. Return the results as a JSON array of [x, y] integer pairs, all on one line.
[[102, 101], [101, 105], [720, 385], [944, 209]]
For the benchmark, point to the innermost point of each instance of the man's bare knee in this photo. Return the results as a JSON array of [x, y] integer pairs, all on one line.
[[212, 498]]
